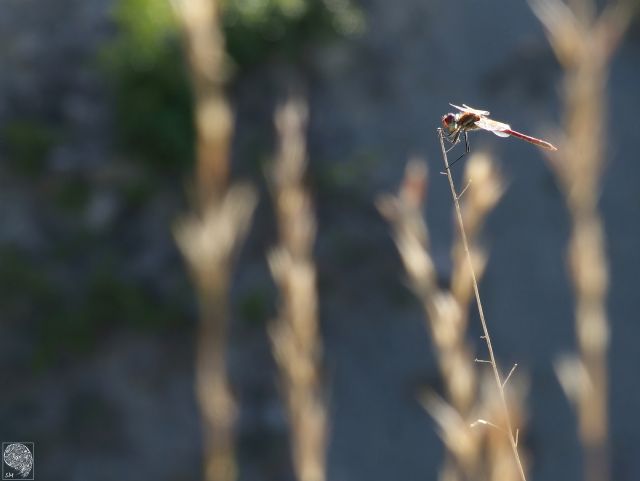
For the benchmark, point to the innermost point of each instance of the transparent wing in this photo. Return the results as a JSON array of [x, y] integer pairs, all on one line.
[[466, 108], [497, 128], [476, 111]]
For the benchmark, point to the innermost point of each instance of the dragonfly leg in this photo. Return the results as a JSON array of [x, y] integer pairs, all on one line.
[[454, 162], [454, 140], [466, 148]]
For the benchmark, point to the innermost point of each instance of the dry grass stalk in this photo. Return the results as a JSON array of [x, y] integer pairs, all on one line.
[[205, 50], [584, 42], [210, 236], [208, 243], [499, 382], [469, 448], [484, 188], [446, 320], [295, 335], [499, 452]]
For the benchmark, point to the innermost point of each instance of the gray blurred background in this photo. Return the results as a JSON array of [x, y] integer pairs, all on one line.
[[97, 315]]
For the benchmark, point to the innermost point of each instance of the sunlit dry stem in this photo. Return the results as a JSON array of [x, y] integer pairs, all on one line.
[[446, 320], [295, 335], [484, 422], [209, 242], [210, 236], [464, 190], [471, 454], [213, 118], [584, 41], [485, 329], [504, 383]]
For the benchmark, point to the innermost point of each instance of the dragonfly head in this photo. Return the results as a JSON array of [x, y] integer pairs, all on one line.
[[449, 123]]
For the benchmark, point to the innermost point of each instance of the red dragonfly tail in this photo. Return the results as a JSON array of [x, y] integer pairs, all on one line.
[[531, 140]]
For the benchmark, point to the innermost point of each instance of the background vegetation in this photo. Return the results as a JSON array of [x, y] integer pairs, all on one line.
[[99, 161]]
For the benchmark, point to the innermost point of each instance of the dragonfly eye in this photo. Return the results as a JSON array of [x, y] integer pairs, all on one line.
[[449, 122]]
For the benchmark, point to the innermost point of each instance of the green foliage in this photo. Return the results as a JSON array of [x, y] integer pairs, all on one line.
[[152, 97], [146, 27], [145, 64], [72, 194], [110, 299], [257, 29], [23, 288], [28, 294], [153, 109], [28, 143], [71, 323], [347, 177], [138, 193], [254, 306]]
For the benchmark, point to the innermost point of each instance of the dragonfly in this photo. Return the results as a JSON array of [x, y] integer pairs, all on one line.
[[459, 124]]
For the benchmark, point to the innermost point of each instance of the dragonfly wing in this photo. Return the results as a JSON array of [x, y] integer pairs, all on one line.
[[466, 108], [497, 128], [499, 133], [476, 111]]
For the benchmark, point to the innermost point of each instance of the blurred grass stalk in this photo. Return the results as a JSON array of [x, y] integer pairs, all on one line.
[[210, 236], [205, 49], [295, 335], [584, 42], [477, 449]]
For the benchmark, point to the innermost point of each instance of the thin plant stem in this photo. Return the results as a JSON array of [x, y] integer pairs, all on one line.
[[211, 235], [296, 339], [485, 330]]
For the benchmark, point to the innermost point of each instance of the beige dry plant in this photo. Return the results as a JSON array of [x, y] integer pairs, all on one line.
[[584, 42], [209, 241], [205, 50], [467, 418], [211, 234], [505, 423], [295, 334]]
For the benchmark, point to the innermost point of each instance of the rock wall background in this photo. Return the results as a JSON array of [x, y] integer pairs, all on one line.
[[97, 315]]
